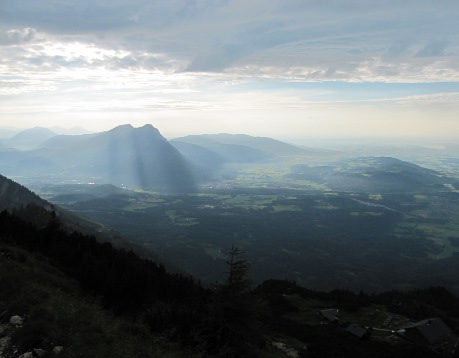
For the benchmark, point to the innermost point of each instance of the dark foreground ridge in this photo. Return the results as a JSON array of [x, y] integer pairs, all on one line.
[[277, 319]]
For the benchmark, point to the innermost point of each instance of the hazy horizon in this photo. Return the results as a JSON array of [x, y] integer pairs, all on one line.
[[289, 71], [311, 141]]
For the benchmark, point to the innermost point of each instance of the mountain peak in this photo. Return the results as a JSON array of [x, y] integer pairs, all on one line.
[[35, 131], [121, 128], [146, 130], [30, 138]]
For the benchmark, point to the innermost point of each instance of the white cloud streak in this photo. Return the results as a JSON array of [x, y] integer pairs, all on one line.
[[16, 36], [326, 40], [199, 58]]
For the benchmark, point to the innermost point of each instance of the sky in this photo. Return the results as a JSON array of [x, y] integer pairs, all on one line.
[[288, 69]]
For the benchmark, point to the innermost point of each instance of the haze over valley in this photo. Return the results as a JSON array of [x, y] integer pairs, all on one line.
[[224, 178], [324, 218]]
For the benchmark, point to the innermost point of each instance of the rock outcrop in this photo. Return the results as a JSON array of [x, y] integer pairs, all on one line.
[[16, 321]]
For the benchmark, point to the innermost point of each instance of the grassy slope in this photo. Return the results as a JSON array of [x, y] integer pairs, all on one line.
[[58, 313]]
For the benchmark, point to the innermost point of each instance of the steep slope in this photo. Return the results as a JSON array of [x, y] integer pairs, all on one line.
[[60, 316], [230, 153], [131, 156], [15, 196], [32, 208], [205, 162], [59, 284], [122, 156]]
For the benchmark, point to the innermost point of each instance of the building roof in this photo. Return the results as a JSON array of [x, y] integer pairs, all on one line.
[[432, 331], [330, 314], [357, 330]]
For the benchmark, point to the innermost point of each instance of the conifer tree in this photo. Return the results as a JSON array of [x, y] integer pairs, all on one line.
[[237, 280], [231, 325]]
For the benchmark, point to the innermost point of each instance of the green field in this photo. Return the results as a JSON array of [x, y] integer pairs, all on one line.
[[363, 223]]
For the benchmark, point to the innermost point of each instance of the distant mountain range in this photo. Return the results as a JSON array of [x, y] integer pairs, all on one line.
[[33, 138], [125, 156], [29, 139], [139, 157], [210, 152], [142, 157], [70, 131], [122, 156], [373, 175], [239, 148]]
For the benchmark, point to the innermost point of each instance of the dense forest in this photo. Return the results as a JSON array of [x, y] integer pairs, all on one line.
[[230, 319], [321, 240]]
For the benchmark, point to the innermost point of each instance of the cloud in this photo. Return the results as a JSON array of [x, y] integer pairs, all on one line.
[[214, 36], [224, 58], [64, 17], [354, 42], [435, 99], [433, 49], [17, 36]]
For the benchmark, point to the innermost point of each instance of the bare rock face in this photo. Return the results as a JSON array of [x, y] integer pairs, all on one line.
[[16, 321]]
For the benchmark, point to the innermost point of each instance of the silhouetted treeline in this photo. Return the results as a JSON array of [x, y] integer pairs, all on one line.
[[417, 304], [423, 303], [219, 321], [120, 278], [228, 320], [333, 340]]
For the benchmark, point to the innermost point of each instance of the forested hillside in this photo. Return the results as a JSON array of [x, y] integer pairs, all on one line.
[[14, 196], [225, 320]]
